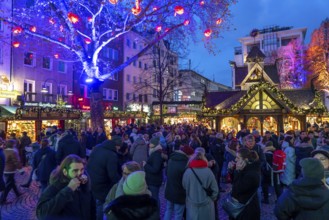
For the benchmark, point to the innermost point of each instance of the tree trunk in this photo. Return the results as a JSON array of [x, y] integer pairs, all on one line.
[[96, 109]]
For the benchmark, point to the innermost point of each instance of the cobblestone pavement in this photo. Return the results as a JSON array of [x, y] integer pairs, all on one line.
[[23, 208]]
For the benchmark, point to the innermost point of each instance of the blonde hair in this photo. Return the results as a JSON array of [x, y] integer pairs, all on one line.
[[199, 154]]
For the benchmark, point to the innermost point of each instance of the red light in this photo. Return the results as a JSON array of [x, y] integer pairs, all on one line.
[[73, 17], [80, 99], [158, 28], [179, 10], [219, 21], [16, 44], [33, 28], [207, 32], [17, 30], [56, 55], [186, 22], [87, 41], [51, 21]]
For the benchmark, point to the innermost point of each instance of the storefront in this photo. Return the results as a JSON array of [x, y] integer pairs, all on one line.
[[265, 108]]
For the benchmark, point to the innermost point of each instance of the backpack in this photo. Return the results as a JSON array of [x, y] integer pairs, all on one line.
[[279, 161]]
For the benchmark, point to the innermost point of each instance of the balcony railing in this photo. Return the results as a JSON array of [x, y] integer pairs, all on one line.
[[45, 97]]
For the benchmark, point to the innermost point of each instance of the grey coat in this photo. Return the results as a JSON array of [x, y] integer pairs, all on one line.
[[198, 204], [289, 174], [138, 150]]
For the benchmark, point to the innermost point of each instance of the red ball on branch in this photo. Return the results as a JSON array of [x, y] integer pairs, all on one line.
[[179, 10], [207, 32], [73, 17], [16, 44]]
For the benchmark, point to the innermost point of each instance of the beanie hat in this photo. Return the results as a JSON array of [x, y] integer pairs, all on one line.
[[155, 141], [187, 150], [322, 150], [135, 184], [312, 168], [200, 150]]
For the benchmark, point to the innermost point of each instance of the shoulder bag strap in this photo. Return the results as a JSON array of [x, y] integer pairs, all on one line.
[[198, 179], [251, 198]]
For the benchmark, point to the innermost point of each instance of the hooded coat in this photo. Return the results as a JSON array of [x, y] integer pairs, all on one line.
[[68, 145], [138, 150], [306, 198], [104, 169]]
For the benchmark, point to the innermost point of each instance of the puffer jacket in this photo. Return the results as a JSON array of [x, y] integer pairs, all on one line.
[[305, 199]]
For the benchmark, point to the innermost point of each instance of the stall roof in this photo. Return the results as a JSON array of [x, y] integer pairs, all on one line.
[[7, 110]]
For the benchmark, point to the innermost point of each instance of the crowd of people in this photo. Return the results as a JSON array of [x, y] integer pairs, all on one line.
[[89, 176]]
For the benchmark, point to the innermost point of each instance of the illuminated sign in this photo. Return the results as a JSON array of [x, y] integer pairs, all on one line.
[[9, 94], [85, 107], [45, 105]]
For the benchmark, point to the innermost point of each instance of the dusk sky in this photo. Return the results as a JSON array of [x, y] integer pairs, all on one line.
[[250, 14]]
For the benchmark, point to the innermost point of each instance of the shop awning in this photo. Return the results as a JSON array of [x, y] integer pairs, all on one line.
[[7, 111]]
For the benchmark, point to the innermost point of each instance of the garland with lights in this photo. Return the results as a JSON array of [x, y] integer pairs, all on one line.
[[318, 108]]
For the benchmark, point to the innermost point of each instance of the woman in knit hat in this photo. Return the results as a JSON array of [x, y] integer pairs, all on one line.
[[136, 203], [199, 205]]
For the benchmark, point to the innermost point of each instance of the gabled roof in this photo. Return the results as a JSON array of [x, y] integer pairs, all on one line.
[[225, 98], [240, 74], [272, 72], [255, 55], [300, 97]]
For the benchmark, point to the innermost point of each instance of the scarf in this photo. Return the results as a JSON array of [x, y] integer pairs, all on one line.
[[198, 164]]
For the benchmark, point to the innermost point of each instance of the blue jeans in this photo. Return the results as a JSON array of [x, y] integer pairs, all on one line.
[[178, 210], [155, 193]]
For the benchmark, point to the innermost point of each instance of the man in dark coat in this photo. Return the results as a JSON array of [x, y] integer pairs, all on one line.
[[307, 197], [24, 142], [174, 192], [104, 169], [68, 197], [68, 145]]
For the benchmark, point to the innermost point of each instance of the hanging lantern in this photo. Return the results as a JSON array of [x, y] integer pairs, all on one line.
[[16, 44], [73, 17], [219, 21], [51, 21], [202, 3], [17, 30], [56, 55], [87, 41], [90, 19], [158, 28], [207, 32], [186, 22], [33, 28], [179, 10], [137, 9], [113, 2]]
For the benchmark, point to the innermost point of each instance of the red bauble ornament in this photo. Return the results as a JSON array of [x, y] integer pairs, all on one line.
[[113, 2], [73, 17], [56, 55], [158, 28], [33, 28], [219, 21], [17, 30], [137, 9], [16, 44], [202, 3], [207, 32], [179, 10], [90, 19], [186, 22], [87, 41]]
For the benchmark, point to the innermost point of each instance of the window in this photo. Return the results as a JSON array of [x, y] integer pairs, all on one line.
[[134, 45], [140, 98], [61, 66], [46, 63], [106, 52], [134, 79], [128, 78], [62, 89], [128, 43], [154, 93], [134, 97], [134, 63], [127, 58], [140, 64], [29, 58], [115, 95], [82, 90], [145, 66], [107, 94], [113, 54], [29, 90], [128, 96], [145, 97], [154, 63], [114, 77]]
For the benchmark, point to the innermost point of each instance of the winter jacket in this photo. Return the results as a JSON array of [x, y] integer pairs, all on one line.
[[104, 169], [133, 207], [138, 150], [244, 186], [302, 151], [305, 199], [59, 202], [289, 174], [68, 145], [45, 161], [153, 168], [199, 206], [12, 162], [177, 164]]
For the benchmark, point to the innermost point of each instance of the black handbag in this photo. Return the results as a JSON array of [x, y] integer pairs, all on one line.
[[233, 207], [207, 190]]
